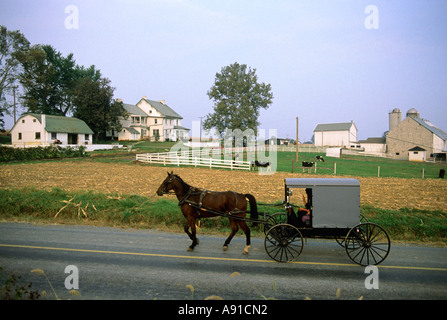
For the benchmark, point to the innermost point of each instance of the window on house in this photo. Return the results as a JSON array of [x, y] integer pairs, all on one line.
[[34, 120], [23, 120], [53, 136], [136, 120], [155, 121], [37, 135], [20, 136], [87, 137]]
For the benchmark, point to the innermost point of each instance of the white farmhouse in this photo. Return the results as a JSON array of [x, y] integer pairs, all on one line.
[[39, 129], [335, 134], [152, 120]]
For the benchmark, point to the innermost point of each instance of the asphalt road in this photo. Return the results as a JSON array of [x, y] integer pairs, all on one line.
[[146, 264]]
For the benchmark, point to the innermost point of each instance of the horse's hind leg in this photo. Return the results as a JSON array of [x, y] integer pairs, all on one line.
[[246, 230], [234, 229]]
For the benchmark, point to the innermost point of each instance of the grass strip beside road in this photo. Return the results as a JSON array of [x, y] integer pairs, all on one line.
[[135, 211]]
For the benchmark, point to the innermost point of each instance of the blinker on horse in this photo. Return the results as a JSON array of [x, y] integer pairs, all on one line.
[[197, 203]]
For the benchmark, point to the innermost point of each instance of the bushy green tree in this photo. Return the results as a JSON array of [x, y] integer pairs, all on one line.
[[238, 98], [94, 103]]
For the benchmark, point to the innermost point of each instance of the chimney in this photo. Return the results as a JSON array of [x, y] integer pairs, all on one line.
[[119, 100], [162, 102], [144, 97]]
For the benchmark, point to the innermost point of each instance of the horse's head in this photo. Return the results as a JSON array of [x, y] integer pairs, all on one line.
[[167, 184]]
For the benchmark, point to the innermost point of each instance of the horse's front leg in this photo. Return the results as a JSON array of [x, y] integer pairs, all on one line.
[[192, 235]]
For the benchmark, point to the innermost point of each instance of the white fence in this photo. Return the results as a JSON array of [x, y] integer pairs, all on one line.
[[192, 159]]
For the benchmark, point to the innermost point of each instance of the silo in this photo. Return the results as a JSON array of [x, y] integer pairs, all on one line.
[[413, 113], [395, 118]]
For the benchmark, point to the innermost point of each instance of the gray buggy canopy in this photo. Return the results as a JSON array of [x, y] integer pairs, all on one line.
[[314, 182], [335, 201]]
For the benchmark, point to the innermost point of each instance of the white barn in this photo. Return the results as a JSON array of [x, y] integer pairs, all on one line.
[[33, 129], [335, 134]]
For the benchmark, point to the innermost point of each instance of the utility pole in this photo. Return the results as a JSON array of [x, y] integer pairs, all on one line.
[[200, 138], [14, 94], [297, 139]]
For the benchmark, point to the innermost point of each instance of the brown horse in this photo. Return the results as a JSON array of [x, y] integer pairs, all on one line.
[[191, 200]]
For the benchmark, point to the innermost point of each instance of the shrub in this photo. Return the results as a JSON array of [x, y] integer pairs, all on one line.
[[39, 153]]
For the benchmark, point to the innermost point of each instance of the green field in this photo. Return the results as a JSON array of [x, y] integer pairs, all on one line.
[[359, 166]]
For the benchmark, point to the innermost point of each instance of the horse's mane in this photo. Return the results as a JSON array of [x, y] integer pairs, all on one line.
[[188, 186]]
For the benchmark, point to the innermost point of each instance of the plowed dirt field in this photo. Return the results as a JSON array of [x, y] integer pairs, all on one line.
[[387, 193]]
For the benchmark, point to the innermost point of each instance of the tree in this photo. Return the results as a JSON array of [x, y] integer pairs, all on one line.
[[11, 44], [238, 98], [93, 102], [48, 80]]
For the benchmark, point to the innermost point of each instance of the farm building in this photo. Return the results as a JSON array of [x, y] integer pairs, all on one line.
[[152, 120], [414, 138], [417, 154], [335, 134], [39, 129], [373, 145]]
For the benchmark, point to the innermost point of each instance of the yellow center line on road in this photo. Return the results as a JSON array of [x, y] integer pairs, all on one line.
[[211, 258]]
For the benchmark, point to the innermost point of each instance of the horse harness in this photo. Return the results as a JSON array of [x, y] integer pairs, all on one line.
[[199, 205]]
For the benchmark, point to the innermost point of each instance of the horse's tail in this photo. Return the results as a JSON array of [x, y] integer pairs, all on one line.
[[253, 207]]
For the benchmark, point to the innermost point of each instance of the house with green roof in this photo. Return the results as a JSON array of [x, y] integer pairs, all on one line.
[[33, 129], [151, 120]]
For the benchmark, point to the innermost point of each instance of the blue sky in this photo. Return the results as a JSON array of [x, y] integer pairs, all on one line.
[[324, 65]]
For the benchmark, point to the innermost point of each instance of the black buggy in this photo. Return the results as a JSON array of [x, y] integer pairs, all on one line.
[[332, 211]]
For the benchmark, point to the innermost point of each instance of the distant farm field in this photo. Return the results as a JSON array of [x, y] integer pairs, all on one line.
[[129, 178]]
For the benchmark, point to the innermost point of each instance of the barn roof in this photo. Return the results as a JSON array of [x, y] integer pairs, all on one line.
[[431, 127], [62, 124], [344, 126]]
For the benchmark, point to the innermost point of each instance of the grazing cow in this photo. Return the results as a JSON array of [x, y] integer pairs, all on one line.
[[441, 173], [307, 164], [261, 164], [319, 158]]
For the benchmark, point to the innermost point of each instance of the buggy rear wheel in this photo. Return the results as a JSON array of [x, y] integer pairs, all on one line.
[[283, 242], [341, 240], [367, 244], [274, 219]]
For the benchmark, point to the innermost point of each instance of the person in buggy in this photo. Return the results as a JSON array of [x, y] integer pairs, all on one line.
[[302, 218]]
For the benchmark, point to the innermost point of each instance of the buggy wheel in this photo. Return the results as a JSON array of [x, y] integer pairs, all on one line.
[[283, 242], [341, 240], [367, 244], [274, 219]]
